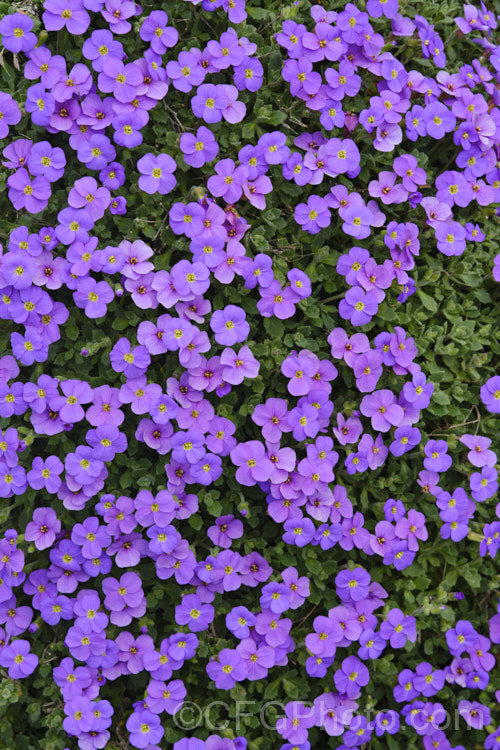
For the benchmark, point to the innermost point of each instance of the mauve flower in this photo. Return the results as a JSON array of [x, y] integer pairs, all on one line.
[[198, 149], [18, 660], [145, 729], [185, 72], [43, 528], [398, 628], [229, 325], [479, 454], [65, 13], [352, 675], [296, 722], [116, 12], [16, 33], [238, 366], [484, 485], [252, 462], [313, 215], [382, 408], [29, 348], [437, 458], [155, 31], [132, 362], [96, 152], [9, 109], [358, 306], [157, 173], [476, 715], [82, 466], [100, 45], [227, 670], [228, 180], [31, 194], [276, 301], [209, 102], [76, 392], [490, 394], [93, 297], [45, 474]]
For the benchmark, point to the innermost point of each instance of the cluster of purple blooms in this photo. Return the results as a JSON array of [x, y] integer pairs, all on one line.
[[80, 585], [425, 106]]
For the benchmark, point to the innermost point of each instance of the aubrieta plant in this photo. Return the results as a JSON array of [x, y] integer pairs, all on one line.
[[248, 386]]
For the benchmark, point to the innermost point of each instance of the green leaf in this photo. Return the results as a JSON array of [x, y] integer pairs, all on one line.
[[428, 302]]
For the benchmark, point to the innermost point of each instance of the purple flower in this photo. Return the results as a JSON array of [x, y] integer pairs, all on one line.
[[276, 301], [155, 31], [209, 102], [297, 720], [248, 74], [428, 681], [405, 438], [194, 613], [227, 670], [74, 224], [93, 297], [29, 348], [412, 529], [437, 458], [166, 697], [358, 306], [383, 409], [46, 160], [484, 485], [398, 628], [96, 152], [16, 33], [31, 194], [16, 657], [132, 362], [45, 474], [45, 525], [9, 109], [145, 728], [228, 181], [82, 466], [225, 530], [299, 531], [157, 173], [252, 462], [76, 392], [272, 418], [115, 12], [198, 149], [367, 370], [386, 189], [238, 366], [475, 714], [490, 394], [100, 45], [438, 120], [461, 638], [229, 325], [352, 675], [190, 279], [185, 72], [479, 454], [313, 215], [65, 13]]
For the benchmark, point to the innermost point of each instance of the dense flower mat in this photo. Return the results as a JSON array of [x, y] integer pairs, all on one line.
[[249, 375]]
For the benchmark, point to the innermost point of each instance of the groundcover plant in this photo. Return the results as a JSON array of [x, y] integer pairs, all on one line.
[[249, 375]]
